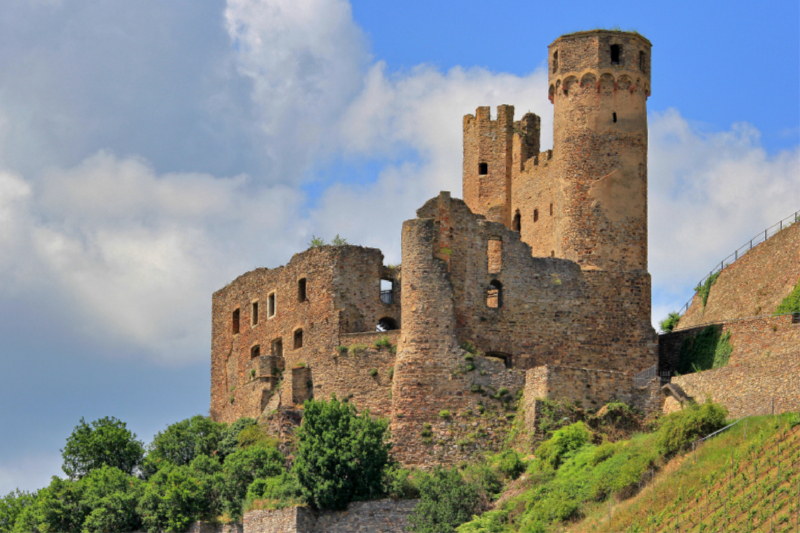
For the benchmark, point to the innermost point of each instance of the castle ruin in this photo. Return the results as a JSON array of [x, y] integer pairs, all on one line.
[[542, 268]]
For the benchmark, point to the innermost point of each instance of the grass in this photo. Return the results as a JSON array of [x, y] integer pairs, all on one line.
[[790, 304], [734, 483]]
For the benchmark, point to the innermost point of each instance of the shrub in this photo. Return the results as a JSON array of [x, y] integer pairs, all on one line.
[[390, 373], [342, 349], [510, 464], [485, 478], [704, 289], [110, 497], [338, 241], [274, 492], [174, 497], [469, 357], [229, 442], [241, 469], [340, 456], [680, 429], [563, 444], [316, 242], [446, 502], [669, 323], [356, 348], [445, 414], [104, 442], [383, 342], [182, 441], [399, 484], [373, 372]]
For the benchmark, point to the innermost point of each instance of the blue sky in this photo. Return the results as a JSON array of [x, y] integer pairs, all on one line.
[[152, 151]]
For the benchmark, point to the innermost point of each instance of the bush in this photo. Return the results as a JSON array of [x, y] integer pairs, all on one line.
[[275, 492], [399, 484], [110, 496], [510, 464], [383, 342], [229, 442], [181, 442], [445, 414], [446, 502], [669, 323], [373, 372], [341, 456], [173, 498], [241, 469], [485, 478], [104, 442], [678, 430], [563, 444]]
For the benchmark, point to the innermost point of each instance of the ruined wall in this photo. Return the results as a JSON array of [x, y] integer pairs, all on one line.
[[762, 370], [383, 516], [753, 285], [342, 294], [535, 197], [552, 312], [600, 147]]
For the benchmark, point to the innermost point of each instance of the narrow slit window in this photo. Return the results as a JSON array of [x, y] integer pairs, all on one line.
[[614, 117], [301, 290], [277, 348], [641, 61], [555, 61], [494, 295], [552, 253], [255, 351], [254, 314], [271, 305], [536, 215], [494, 251], [235, 322], [483, 168], [298, 339], [516, 224], [387, 291], [551, 209], [616, 51]]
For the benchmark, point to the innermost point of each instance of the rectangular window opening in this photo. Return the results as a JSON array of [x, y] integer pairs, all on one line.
[[301, 290], [494, 251], [254, 314], [277, 348], [551, 209], [298, 339], [555, 61], [255, 351], [387, 291], [616, 51], [235, 322], [483, 168], [271, 305], [641, 61]]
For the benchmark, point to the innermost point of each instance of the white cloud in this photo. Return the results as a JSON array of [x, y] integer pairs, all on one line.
[[29, 472]]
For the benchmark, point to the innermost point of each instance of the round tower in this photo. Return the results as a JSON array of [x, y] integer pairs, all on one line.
[[599, 84]]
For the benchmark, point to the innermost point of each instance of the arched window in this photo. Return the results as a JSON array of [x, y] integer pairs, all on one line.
[[536, 215], [298, 339], [386, 324], [301, 290], [483, 168], [516, 224], [506, 357], [494, 295], [235, 322], [255, 351]]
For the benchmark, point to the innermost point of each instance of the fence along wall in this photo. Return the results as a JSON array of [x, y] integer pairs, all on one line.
[[763, 368]]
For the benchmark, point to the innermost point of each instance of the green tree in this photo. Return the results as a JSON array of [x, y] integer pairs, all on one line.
[[12, 506], [174, 497], [276, 492], [106, 441], [110, 496], [182, 442], [229, 442], [59, 507], [446, 502], [341, 456], [242, 468]]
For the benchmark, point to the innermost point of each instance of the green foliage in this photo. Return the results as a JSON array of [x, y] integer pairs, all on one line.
[[11, 507], [275, 492], [469, 347], [678, 430], [104, 442], [340, 456], [316, 242], [390, 373], [342, 349], [562, 445], [58, 507], [706, 350], [229, 442], [110, 497], [445, 414], [256, 435], [383, 342], [704, 289], [486, 478], [510, 464], [446, 501], [373, 372], [242, 468], [338, 241], [357, 348], [790, 304], [181, 442], [400, 484], [669, 323], [490, 522]]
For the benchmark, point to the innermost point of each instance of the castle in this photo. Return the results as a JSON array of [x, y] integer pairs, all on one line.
[[542, 268]]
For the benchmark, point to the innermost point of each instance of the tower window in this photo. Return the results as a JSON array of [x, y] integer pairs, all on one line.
[[298, 339], [516, 224], [551, 209], [536, 215], [494, 295], [271, 305], [255, 351], [301, 290], [254, 314], [641, 61], [552, 253], [483, 168], [555, 61], [235, 322], [386, 324], [277, 348], [387, 291], [614, 117], [616, 51]]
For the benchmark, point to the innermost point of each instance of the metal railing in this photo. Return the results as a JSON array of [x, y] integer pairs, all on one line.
[[645, 376], [746, 247], [386, 297]]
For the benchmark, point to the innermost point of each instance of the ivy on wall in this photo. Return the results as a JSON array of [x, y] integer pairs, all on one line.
[[704, 351]]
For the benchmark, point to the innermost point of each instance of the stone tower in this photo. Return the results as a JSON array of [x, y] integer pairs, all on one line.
[[599, 84]]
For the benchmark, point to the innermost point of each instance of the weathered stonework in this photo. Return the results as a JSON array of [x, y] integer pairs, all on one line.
[[542, 263], [383, 516]]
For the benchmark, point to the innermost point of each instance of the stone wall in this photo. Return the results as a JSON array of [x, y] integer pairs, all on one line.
[[753, 285], [383, 516], [762, 371], [289, 316]]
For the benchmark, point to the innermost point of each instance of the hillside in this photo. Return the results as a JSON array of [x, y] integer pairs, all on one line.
[[734, 483], [754, 285]]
